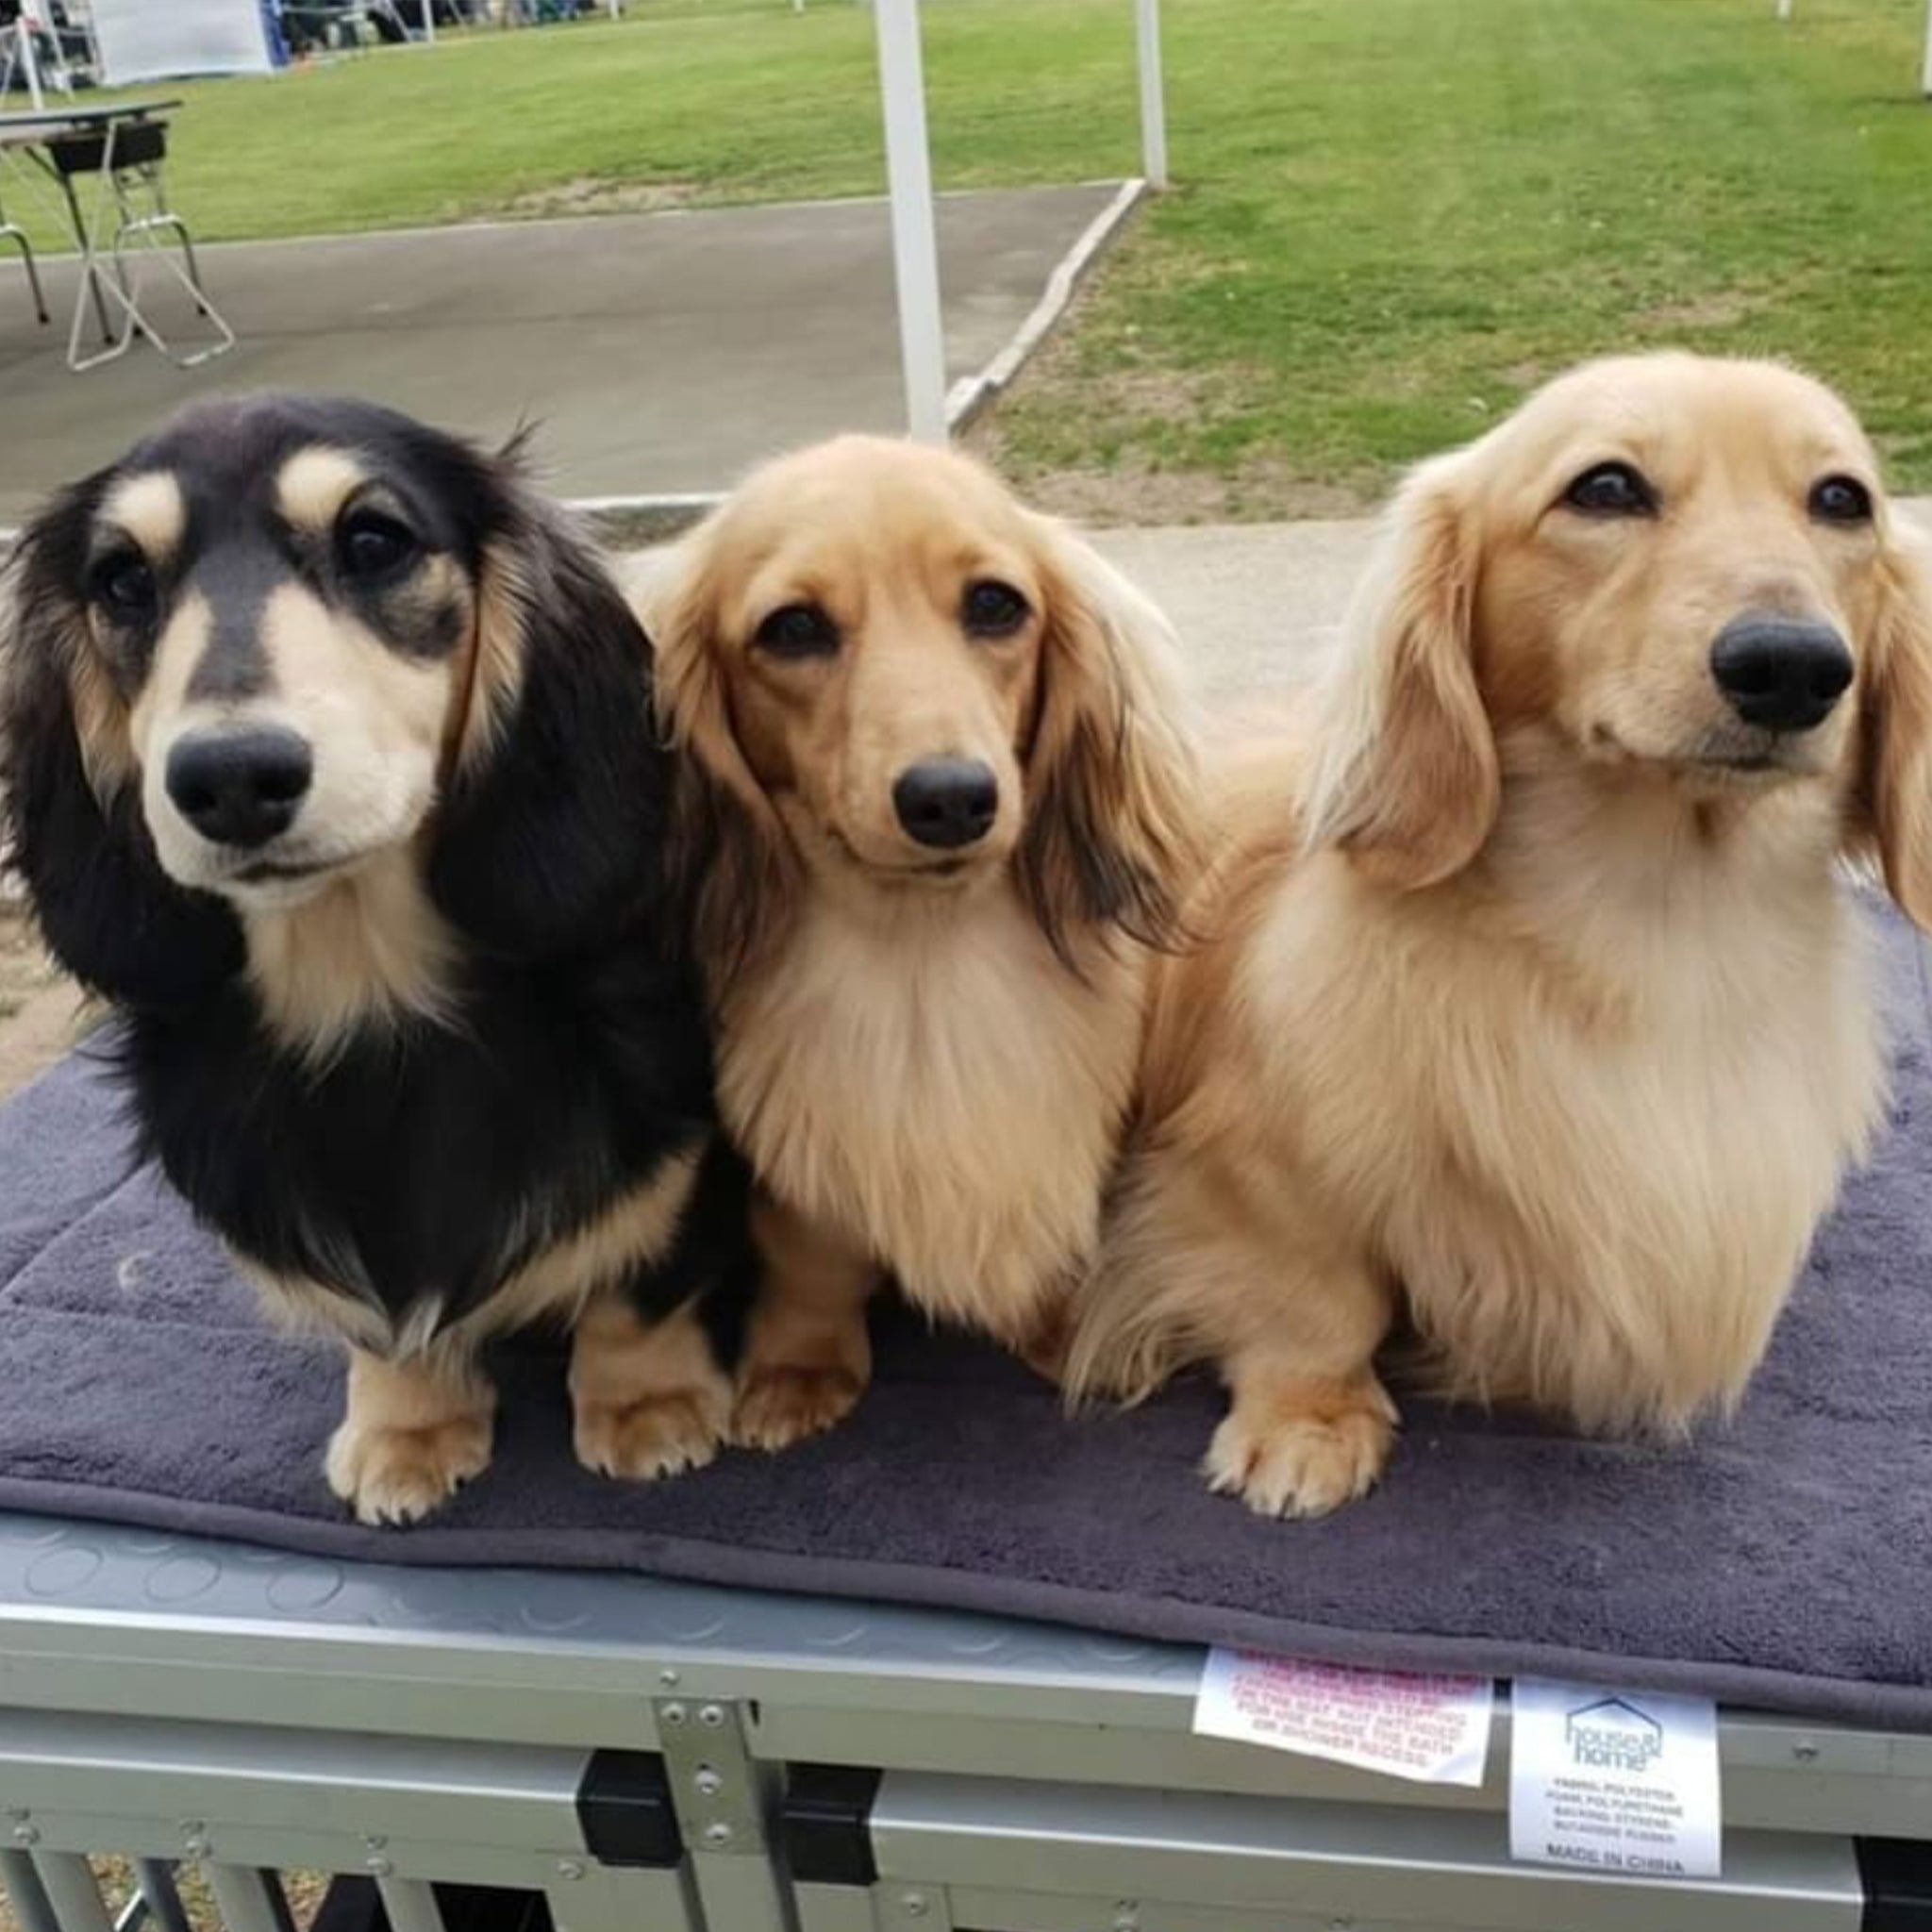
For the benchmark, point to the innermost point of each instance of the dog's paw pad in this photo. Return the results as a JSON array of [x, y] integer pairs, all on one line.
[[1300, 1465], [391, 1475], [785, 1403], [656, 1436]]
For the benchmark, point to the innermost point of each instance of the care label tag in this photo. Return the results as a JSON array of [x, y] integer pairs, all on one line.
[[1621, 1782], [1433, 1729]]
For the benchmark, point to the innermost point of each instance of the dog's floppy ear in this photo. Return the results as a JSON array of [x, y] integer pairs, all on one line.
[[70, 795], [729, 856], [1406, 779], [1896, 727], [550, 833], [1112, 835]]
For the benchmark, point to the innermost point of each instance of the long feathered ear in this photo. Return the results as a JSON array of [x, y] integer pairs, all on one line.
[[1405, 779], [1895, 789], [729, 855], [551, 831], [70, 795], [1112, 837]]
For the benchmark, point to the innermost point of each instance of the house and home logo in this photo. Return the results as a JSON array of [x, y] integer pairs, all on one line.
[[1612, 1733]]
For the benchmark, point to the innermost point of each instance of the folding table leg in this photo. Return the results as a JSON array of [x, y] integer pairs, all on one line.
[[90, 266], [10, 232]]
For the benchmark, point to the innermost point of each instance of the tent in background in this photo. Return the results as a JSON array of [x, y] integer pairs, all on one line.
[[140, 40]]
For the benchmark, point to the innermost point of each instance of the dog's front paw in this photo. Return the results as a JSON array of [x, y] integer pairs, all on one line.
[[657, 1434], [393, 1476], [783, 1403], [1285, 1460]]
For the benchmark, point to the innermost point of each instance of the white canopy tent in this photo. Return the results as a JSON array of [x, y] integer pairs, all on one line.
[[158, 40], [909, 175]]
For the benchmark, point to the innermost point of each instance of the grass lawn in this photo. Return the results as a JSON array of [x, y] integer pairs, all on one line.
[[1393, 215]]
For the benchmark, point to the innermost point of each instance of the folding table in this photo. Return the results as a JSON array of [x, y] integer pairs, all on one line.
[[123, 145]]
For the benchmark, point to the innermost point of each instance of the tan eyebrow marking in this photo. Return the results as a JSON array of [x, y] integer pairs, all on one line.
[[150, 509], [315, 483]]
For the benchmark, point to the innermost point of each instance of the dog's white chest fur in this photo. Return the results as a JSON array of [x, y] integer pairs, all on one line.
[[1597, 1177], [943, 1092]]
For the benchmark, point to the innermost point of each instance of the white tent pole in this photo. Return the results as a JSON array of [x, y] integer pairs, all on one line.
[[1784, 10], [1153, 101], [29, 59], [429, 21], [915, 245], [1925, 72]]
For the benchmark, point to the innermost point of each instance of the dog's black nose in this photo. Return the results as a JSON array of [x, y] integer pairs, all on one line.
[[239, 787], [1779, 673], [947, 802]]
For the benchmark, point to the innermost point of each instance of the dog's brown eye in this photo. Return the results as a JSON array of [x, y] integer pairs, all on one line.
[[126, 585], [798, 630], [1611, 489], [1841, 500], [374, 547], [993, 609]]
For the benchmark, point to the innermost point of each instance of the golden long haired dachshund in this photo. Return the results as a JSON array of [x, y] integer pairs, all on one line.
[[1533, 1005], [939, 782]]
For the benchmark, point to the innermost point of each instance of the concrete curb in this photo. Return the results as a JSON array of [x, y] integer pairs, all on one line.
[[971, 394]]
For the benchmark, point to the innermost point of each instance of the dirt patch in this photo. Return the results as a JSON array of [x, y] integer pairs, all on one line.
[[1040, 432], [41, 1013], [1151, 393], [1259, 493], [1701, 313], [591, 195]]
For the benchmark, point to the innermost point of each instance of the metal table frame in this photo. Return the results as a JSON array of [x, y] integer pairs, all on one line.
[[659, 1757], [129, 214]]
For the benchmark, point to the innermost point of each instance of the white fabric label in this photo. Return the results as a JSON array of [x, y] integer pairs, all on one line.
[[1621, 1782], [1433, 1729]]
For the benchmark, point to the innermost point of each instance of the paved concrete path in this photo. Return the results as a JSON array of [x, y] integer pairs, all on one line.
[[1252, 602], [659, 354]]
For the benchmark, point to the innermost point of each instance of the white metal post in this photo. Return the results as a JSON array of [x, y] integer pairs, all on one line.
[[915, 243], [1153, 101], [1784, 10], [1925, 72], [29, 58], [429, 21]]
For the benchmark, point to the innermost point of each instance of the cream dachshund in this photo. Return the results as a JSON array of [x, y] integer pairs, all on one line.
[[1533, 1007], [941, 806]]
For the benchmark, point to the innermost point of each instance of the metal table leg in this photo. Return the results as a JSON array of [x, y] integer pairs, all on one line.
[[88, 268], [11, 232]]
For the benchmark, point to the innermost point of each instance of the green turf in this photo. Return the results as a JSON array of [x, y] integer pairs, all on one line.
[[1393, 215]]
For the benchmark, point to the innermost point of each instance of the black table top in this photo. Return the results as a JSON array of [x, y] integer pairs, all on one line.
[[87, 117]]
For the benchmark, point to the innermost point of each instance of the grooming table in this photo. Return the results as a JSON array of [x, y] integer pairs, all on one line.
[[936, 1671]]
